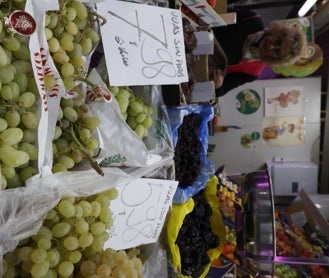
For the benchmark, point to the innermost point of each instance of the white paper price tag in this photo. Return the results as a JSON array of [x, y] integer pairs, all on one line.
[[139, 212], [143, 44]]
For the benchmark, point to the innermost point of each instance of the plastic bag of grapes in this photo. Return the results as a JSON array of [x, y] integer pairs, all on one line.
[[24, 210], [133, 132]]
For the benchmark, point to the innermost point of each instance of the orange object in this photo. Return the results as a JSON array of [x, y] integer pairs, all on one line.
[[212, 3]]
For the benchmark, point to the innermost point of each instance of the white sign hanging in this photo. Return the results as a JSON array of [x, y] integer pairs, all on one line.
[[143, 44], [139, 212]]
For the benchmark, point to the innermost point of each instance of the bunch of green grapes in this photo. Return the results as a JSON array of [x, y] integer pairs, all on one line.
[[74, 136], [73, 231], [112, 263], [134, 110], [19, 103], [71, 37]]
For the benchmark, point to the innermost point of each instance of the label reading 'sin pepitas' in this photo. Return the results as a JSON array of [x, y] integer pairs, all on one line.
[[20, 22]]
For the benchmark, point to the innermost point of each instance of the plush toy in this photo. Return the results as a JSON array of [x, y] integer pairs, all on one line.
[[310, 61]]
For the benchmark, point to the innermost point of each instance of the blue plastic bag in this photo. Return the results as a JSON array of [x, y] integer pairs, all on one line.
[[176, 116]]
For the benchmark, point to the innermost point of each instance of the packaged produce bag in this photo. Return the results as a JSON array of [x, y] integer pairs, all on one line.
[[176, 220], [120, 144], [204, 114]]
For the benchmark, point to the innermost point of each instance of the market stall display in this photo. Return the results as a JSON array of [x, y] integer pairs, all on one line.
[[85, 163]]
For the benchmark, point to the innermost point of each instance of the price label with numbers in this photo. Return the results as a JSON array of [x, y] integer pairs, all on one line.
[[143, 44], [139, 212]]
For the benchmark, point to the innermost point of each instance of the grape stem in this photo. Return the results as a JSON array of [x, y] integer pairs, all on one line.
[[94, 164]]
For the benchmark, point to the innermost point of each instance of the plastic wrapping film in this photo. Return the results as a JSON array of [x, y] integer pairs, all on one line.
[[176, 116]]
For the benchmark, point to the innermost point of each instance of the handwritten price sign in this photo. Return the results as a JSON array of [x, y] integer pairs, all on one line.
[[139, 212], [143, 44]]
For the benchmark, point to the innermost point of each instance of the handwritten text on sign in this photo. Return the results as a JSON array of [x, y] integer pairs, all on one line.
[[143, 44], [139, 212]]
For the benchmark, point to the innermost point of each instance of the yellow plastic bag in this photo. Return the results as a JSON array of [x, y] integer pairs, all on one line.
[[176, 218]]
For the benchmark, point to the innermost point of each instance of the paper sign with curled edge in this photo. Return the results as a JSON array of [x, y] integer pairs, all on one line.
[[139, 212], [143, 44]]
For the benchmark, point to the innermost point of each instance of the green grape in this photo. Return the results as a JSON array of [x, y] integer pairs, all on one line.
[[7, 93], [39, 270], [70, 13], [51, 274], [91, 122], [81, 9], [76, 51], [6, 74], [97, 228], [84, 134], [26, 99], [86, 207], [21, 79], [8, 172], [15, 89], [112, 193], [58, 167], [136, 107], [71, 28], [12, 157], [98, 243], [38, 255], [69, 82], [22, 66], [24, 253], [91, 144], [75, 256], [95, 208], [3, 57], [66, 208], [30, 149], [44, 232], [11, 136], [139, 129], [67, 70], [71, 243], [79, 63], [12, 44], [104, 270], [53, 257], [3, 124], [67, 161], [61, 58], [53, 45], [123, 104], [81, 23], [85, 240], [48, 33], [88, 268], [58, 132], [23, 53], [76, 155], [66, 43], [44, 243], [86, 45], [13, 118], [92, 35], [131, 122], [105, 214], [30, 120], [27, 172], [147, 122], [81, 226], [140, 118], [103, 200], [61, 229]]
